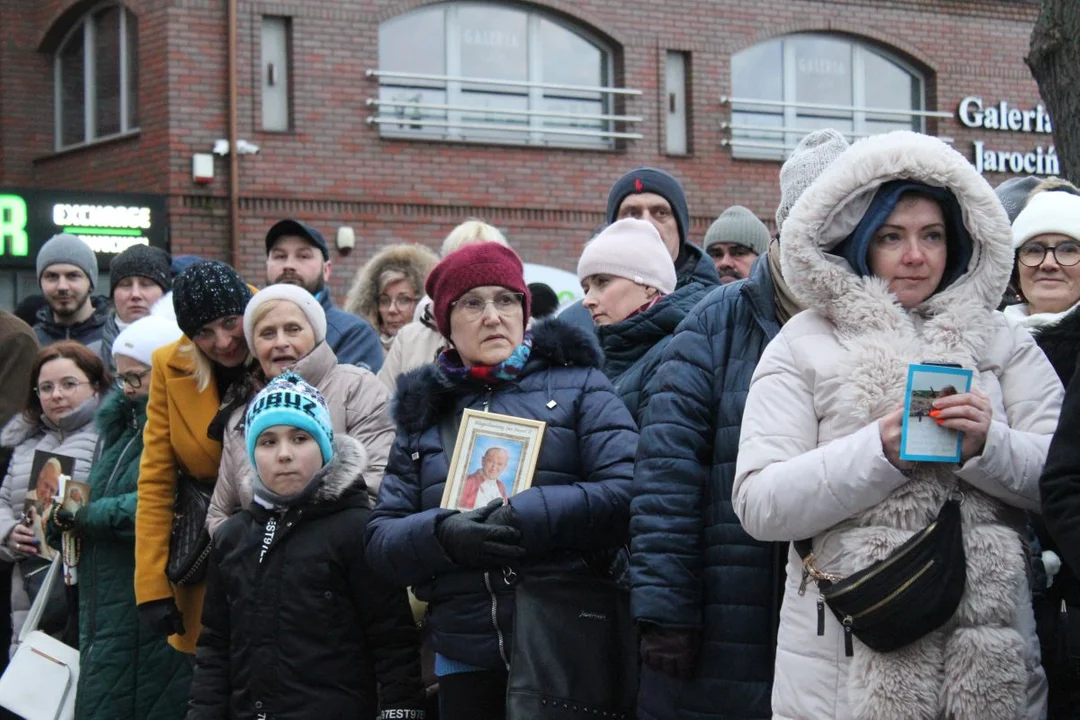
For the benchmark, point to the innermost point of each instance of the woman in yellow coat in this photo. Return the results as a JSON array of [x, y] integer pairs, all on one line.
[[190, 385]]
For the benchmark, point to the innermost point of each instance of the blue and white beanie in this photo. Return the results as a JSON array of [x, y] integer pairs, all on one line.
[[289, 400]]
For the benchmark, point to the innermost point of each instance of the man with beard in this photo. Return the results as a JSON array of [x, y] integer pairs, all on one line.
[[297, 253], [138, 278], [67, 273], [734, 241]]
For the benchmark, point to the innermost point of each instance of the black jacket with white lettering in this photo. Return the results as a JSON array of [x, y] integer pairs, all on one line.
[[295, 625]]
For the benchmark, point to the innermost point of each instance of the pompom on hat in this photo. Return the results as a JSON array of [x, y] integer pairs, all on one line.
[[631, 249], [470, 267], [141, 338], [289, 400]]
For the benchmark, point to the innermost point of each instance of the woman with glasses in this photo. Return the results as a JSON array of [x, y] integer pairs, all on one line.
[[128, 670], [57, 422], [387, 289], [285, 327], [578, 503]]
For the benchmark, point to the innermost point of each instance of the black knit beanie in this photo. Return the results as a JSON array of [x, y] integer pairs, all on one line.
[[651, 180], [208, 291], [143, 261]]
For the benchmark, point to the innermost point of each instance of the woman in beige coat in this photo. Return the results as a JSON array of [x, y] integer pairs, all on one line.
[[902, 252], [286, 329]]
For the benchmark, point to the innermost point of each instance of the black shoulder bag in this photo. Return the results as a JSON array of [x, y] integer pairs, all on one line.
[[189, 542], [899, 599]]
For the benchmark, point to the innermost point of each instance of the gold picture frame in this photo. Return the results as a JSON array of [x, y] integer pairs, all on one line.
[[491, 444]]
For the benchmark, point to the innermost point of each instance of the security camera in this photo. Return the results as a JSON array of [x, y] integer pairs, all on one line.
[[221, 147], [243, 147], [346, 239]]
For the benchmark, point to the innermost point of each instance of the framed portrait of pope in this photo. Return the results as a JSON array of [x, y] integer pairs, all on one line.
[[494, 458]]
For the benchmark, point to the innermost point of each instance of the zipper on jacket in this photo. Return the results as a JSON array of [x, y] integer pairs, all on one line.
[[495, 619], [887, 563], [820, 615]]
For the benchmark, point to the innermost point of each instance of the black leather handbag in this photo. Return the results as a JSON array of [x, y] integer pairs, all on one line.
[[899, 599], [189, 542], [574, 650]]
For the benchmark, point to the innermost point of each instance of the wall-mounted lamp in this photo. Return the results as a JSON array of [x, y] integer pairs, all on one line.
[[346, 239]]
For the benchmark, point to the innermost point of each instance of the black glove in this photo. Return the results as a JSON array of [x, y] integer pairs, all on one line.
[[671, 651], [503, 515], [162, 616], [470, 542]]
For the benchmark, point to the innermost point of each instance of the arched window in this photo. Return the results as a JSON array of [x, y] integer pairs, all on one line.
[[784, 88], [494, 73], [96, 77]]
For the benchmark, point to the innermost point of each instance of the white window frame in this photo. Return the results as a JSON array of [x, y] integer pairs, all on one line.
[[789, 133], [534, 133], [88, 26]]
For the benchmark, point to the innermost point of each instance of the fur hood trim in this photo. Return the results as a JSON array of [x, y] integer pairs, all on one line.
[[118, 414], [832, 206], [346, 469], [425, 394], [415, 261]]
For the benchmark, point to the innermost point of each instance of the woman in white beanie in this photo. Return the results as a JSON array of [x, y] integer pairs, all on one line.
[[285, 327], [134, 672], [629, 281]]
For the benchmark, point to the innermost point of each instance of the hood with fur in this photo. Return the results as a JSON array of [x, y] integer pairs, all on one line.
[[425, 394], [345, 470], [415, 261]]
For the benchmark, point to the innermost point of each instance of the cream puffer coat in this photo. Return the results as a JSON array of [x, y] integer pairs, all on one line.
[[359, 406], [811, 463]]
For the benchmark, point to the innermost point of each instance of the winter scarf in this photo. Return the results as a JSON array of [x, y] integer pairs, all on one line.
[[787, 305], [506, 371], [973, 668], [1019, 314]]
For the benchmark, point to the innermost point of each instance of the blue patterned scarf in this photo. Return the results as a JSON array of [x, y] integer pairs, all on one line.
[[506, 371]]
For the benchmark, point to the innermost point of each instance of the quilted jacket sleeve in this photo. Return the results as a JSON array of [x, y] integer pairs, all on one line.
[[673, 463], [226, 497], [210, 691], [786, 486], [1060, 482], [367, 418], [401, 543], [593, 513]]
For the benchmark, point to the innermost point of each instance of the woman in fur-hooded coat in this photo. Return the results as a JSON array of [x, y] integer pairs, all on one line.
[[410, 263], [812, 463]]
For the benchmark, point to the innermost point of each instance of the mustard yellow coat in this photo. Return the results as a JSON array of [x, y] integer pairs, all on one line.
[[177, 418]]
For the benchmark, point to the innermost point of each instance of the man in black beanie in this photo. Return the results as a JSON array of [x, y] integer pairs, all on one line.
[[138, 278], [648, 193]]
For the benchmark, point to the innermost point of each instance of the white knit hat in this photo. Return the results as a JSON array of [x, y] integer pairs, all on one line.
[[1048, 212], [294, 294], [809, 158], [141, 338], [631, 249]]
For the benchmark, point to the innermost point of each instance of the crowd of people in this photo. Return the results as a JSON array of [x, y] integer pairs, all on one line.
[[722, 424]]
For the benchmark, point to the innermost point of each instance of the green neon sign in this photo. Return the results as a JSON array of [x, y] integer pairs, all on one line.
[[14, 239]]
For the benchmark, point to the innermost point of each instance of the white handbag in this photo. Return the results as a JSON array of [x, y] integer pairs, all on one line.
[[40, 680]]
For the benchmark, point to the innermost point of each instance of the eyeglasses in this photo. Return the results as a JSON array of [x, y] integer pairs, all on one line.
[[132, 379], [1066, 254], [65, 386], [472, 307], [404, 301]]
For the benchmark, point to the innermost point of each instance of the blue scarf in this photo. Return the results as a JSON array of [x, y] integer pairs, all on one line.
[[507, 371]]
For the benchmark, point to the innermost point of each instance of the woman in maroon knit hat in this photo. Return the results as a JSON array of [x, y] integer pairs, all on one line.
[[579, 500]]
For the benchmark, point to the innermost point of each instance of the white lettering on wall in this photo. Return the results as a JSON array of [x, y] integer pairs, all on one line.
[[973, 113], [1039, 162], [103, 216]]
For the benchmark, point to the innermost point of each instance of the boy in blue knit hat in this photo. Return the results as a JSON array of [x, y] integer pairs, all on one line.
[[295, 625]]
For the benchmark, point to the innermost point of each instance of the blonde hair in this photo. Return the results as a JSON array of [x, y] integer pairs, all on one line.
[[204, 366], [392, 275], [471, 232], [1054, 184]]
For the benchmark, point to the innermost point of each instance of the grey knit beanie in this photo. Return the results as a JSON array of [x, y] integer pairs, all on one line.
[[64, 249], [740, 226], [809, 158], [1014, 193]]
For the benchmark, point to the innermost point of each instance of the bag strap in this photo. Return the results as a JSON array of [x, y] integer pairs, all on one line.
[[37, 609]]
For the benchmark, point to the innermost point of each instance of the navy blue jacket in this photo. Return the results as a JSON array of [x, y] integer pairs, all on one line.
[[351, 338], [578, 503], [694, 267], [634, 347], [692, 564]]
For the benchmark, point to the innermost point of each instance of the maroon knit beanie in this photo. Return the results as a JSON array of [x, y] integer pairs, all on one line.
[[473, 266]]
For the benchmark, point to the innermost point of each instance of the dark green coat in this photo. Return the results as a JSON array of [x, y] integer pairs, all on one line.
[[127, 671]]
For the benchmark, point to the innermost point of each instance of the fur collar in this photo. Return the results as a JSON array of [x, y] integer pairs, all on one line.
[[118, 415], [346, 470], [974, 666], [18, 431], [414, 261], [425, 394]]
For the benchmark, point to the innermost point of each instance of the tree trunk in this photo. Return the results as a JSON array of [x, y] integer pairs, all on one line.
[[1054, 59]]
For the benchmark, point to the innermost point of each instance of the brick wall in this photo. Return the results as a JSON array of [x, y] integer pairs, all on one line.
[[333, 169]]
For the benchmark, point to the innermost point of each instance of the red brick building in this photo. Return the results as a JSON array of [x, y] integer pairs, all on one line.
[[399, 118]]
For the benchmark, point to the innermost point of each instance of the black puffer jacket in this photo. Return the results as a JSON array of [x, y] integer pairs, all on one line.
[[295, 625]]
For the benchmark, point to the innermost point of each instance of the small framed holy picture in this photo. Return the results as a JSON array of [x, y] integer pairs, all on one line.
[[494, 458]]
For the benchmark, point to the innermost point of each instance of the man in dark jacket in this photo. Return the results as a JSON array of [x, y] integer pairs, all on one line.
[[291, 258], [138, 278], [705, 594], [67, 274], [652, 194], [295, 624]]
